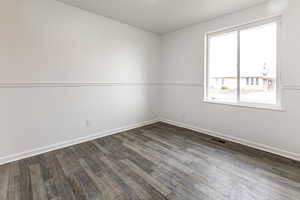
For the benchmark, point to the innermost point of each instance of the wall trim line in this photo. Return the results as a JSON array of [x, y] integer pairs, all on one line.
[[79, 84], [103, 84], [60, 145], [183, 84], [255, 145]]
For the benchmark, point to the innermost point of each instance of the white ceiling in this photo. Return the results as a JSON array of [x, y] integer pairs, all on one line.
[[162, 16]]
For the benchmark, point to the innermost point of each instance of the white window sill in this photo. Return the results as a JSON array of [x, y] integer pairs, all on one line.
[[278, 108]]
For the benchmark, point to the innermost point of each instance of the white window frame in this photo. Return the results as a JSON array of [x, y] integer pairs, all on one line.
[[278, 106]]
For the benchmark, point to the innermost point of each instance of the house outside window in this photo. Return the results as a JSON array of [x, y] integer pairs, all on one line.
[[245, 60]]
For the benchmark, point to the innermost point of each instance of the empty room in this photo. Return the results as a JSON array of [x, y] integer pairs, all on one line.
[[149, 100]]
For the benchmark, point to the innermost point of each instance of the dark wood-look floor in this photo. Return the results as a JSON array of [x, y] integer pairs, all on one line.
[[155, 162]]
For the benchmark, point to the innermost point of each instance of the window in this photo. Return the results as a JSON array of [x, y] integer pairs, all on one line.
[[241, 65]]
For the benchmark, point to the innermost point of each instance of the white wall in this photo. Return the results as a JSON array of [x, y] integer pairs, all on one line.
[[182, 92], [61, 66]]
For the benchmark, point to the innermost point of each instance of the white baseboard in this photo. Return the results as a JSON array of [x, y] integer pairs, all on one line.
[[283, 153], [41, 150]]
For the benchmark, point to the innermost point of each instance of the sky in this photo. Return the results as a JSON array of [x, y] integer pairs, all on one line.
[[257, 49]]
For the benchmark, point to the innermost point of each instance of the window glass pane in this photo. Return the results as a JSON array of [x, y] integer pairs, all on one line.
[[222, 67], [258, 64]]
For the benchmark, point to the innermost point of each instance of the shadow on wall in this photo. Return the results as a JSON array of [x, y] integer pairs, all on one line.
[[277, 6]]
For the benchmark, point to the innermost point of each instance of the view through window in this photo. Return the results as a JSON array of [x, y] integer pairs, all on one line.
[[241, 65]]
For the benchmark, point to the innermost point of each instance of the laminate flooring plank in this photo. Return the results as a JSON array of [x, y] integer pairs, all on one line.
[[14, 182], [154, 162], [4, 181], [37, 183], [64, 189], [138, 189], [25, 179]]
